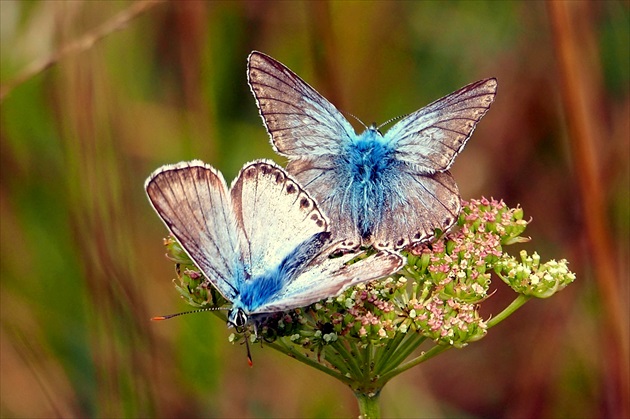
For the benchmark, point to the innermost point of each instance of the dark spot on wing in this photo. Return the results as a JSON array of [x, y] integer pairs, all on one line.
[[400, 242], [315, 217], [265, 169], [418, 236], [304, 203], [250, 173], [291, 188]]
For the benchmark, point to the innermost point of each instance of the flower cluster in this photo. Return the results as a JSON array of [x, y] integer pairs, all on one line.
[[530, 277], [435, 297], [453, 274]]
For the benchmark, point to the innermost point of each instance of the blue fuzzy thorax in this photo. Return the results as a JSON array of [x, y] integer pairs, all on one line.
[[257, 291], [370, 173]]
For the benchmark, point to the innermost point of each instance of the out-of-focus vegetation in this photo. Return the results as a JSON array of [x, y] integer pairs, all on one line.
[[82, 258]]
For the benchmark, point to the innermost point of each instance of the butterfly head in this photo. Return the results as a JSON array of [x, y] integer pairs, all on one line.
[[237, 318], [375, 129]]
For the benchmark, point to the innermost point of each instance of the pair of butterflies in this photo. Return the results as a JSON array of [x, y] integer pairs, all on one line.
[[265, 242]]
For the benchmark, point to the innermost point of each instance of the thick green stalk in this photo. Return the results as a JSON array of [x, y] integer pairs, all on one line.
[[369, 407]]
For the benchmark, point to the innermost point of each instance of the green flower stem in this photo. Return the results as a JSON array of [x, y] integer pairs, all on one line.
[[383, 355], [509, 310], [349, 358], [357, 355], [401, 353], [436, 350], [367, 360], [290, 350], [338, 362], [368, 405]]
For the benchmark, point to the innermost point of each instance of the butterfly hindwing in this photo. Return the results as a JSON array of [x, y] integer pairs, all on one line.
[[300, 121], [274, 214], [193, 201], [328, 277], [424, 204], [321, 178], [431, 137]]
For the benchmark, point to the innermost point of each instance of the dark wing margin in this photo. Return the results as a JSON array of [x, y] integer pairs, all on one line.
[[427, 203]]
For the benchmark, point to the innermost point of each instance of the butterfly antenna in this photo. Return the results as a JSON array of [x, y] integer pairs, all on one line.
[[170, 316], [360, 122], [392, 120]]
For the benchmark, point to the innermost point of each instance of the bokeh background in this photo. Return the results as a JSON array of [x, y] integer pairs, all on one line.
[[98, 94]]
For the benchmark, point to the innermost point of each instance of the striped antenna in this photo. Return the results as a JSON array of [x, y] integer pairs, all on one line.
[[170, 316], [391, 120]]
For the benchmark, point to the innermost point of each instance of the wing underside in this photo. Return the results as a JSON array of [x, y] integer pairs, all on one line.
[[328, 277], [192, 200], [274, 214]]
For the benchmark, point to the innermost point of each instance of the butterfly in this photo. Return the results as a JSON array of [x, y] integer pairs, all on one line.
[[262, 243], [386, 190]]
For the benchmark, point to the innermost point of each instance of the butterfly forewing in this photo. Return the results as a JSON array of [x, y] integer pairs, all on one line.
[[328, 277], [193, 201], [274, 214], [299, 120], [431, 137]]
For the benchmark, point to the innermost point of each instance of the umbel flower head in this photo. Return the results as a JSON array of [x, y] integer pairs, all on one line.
[[365, 336]]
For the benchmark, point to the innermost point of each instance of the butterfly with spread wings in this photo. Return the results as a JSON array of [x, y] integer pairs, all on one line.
[[387, 191], [262, 243]]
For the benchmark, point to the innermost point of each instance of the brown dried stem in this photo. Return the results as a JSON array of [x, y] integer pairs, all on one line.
[[77, 46], [579, 88]]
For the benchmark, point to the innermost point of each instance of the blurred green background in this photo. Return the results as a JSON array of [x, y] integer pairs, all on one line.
[[82, 257]]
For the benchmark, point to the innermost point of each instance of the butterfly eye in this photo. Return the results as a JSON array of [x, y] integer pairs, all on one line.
[[241, 318], [237, 319]]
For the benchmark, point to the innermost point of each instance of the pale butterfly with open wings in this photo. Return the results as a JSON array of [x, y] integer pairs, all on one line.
[[388, 191], [262, 243]]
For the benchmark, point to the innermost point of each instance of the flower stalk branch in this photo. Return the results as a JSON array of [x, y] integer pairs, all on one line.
[[509, 310]]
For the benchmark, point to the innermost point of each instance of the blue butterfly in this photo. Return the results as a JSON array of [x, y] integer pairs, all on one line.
[[262, 243], [388, 191]]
